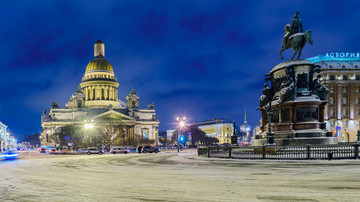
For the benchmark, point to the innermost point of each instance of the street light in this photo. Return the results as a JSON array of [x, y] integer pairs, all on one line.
[[181, 123], [88, 125]]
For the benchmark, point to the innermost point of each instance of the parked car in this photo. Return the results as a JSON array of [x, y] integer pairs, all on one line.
[[117, 150], [150, 149], [42, 150], [94, 151]]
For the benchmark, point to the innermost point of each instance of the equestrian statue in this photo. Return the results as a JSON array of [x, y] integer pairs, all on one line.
[[294, 37]]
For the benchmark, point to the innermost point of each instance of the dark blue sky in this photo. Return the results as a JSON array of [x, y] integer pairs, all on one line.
[[202, 59]]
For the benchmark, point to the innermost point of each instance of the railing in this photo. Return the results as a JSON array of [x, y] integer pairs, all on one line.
[[306, 152]]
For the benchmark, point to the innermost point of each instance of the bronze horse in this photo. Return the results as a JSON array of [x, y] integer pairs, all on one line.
[[297, 43]]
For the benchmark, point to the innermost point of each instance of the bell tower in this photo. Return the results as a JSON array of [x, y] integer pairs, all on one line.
[[132, 101]]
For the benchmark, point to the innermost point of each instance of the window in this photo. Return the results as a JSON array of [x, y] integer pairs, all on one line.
[[332, 77], [344, 101], [357, 89], [330, 66], [331, 89], [345, 77], [357, 112], [145, 135], [331, 113], [331, 100], [344, 112], [344, 89], [357, 77], [357, 100]]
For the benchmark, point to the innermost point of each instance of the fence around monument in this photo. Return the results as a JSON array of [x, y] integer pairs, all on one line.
[[306, 152]]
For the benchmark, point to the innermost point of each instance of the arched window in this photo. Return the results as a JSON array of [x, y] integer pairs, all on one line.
[[133, 104]]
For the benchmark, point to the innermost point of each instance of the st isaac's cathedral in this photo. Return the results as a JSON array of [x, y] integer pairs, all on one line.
[[96, 99]]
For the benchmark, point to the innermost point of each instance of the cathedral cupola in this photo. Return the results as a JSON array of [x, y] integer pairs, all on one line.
[[99, 83], [99, 49]]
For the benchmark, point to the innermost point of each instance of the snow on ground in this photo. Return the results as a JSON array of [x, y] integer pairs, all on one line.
[[172, 176]]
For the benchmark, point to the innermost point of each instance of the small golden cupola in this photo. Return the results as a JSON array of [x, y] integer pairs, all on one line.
[[99, 83]]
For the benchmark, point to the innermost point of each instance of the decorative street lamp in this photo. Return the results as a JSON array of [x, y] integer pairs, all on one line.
[[269, 134], [181, 124]]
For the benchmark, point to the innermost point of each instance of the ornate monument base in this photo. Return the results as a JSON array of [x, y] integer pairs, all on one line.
[[297, 106]]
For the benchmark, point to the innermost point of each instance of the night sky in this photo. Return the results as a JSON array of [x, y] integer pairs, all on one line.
[[201, 59]]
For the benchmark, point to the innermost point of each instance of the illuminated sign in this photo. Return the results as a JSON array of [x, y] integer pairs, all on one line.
[[333, 56], [342, 55]]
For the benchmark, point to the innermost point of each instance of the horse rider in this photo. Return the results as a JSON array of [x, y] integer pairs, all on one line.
[[295, 27]]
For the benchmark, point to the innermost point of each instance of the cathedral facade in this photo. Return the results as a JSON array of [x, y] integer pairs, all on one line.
[[97, 99]]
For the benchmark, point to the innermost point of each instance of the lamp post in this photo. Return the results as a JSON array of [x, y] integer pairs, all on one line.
[[88, 125], [181, 124], [269, 134]]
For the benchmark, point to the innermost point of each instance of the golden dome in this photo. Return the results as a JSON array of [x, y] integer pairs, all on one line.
[[99, 63]]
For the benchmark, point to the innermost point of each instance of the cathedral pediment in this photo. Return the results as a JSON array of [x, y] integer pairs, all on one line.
[[113, 116]]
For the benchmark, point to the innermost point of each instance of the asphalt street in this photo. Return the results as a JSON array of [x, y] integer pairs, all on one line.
[[172, 176]]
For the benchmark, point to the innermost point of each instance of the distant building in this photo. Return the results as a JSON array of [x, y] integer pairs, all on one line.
[[341, 75], [97, 99], [221, 129], [12, 142], [3, 137]]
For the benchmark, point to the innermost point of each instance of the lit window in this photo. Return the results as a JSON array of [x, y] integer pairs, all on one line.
[[357, 100], [344, 112], [331, 89], [357, 77], [344, 89], [331, 100], [357, 112], [344, 101], [345, 77], [332, 77], [331, 113], [145, 135]]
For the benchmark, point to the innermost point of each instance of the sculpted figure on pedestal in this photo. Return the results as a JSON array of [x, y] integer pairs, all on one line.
[[267, 96], [319, 89]]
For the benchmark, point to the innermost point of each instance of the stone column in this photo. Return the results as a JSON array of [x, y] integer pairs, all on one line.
[[352, 101], [339, 101], [110, 91], [106, 93]]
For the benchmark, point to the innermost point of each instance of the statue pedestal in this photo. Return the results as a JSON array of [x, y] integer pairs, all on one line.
[[298, 112]]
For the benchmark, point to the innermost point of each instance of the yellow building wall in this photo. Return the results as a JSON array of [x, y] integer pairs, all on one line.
[[224, 128]]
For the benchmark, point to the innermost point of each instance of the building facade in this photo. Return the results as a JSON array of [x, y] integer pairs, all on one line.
[[97, 99], [221, 129], [341, 75], [4, 138]]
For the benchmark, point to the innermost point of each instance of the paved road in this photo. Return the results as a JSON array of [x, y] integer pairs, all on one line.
[[169, 176]]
